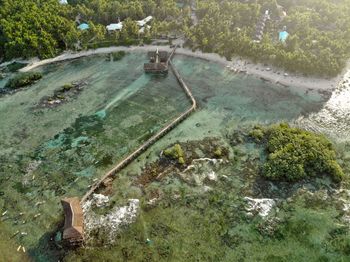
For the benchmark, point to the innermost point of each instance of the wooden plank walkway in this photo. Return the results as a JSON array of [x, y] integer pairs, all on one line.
[[153, 139]]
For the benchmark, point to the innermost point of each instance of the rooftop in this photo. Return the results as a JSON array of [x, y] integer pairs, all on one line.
[[83, 26], [283, 36], [114, 27]]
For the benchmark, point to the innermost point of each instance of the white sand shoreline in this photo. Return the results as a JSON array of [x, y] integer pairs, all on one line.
[[271, 74]]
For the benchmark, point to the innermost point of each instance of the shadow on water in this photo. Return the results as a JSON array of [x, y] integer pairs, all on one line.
[[50, 247]]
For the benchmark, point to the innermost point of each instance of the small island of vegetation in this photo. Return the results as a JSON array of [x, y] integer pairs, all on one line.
[[294, 154], [22, 80]]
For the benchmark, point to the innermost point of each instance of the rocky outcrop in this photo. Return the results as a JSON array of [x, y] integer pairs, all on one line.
[[103, 229], [260, 206]]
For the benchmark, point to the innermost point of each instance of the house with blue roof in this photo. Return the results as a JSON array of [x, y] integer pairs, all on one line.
[[83, 26], [283, 36]]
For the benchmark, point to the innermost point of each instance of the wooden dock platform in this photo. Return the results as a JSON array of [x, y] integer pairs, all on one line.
[[159, 62]]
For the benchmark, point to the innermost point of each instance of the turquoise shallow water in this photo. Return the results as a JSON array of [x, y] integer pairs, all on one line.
[[47, 154]]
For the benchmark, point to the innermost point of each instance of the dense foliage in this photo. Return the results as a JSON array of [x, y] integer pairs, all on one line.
[[45, 27], [23, 79], [35, 28], [294, 154], [318, 42], [176, 152], [319, 32]]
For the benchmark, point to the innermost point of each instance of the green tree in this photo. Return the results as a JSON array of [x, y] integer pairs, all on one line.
[[35, 28], [294, 154]]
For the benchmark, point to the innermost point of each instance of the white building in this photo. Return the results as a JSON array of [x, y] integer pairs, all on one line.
[[141, 23], [115, 27]]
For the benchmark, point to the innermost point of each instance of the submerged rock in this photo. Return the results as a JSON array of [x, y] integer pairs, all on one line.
[[32, 166], [100, 200], [342, 196], [29, 173], [103, 229], [212, 177], [63, 94], [262, 206], [207, 189], [200, 172]]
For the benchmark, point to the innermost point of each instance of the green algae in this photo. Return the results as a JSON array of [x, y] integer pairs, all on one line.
[[79, 140], [188, 223], [101, 114], [56, 142]]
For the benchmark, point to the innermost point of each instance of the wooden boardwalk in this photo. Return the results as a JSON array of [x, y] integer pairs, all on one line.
[[153, 139]]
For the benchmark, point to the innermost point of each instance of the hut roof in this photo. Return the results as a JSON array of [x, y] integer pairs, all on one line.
[[114, 27], [83, 26], [163, 55], [283, 36], [74, 220]]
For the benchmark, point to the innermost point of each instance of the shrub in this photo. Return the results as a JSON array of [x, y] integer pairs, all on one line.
[[176, 152], [23, 79], [218, 152], [67, 87], [257, 134], [168, 152], [294, 154], [181, 160]]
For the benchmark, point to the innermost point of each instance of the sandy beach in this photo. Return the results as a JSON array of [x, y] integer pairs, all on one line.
[[266, 73]]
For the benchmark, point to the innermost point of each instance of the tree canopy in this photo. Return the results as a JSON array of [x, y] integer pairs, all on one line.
[[45, 27], [35, 28], [319, 33]]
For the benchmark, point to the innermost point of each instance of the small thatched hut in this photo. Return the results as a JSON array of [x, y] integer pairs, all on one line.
[[74, 221]]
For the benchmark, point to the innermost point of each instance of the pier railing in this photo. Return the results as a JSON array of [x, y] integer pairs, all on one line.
[[153, 139]]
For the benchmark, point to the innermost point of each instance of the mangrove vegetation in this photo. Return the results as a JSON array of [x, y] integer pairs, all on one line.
[[23, 79], [294, 154]]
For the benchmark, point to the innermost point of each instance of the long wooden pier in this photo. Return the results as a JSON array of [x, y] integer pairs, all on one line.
[[153, 139]]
